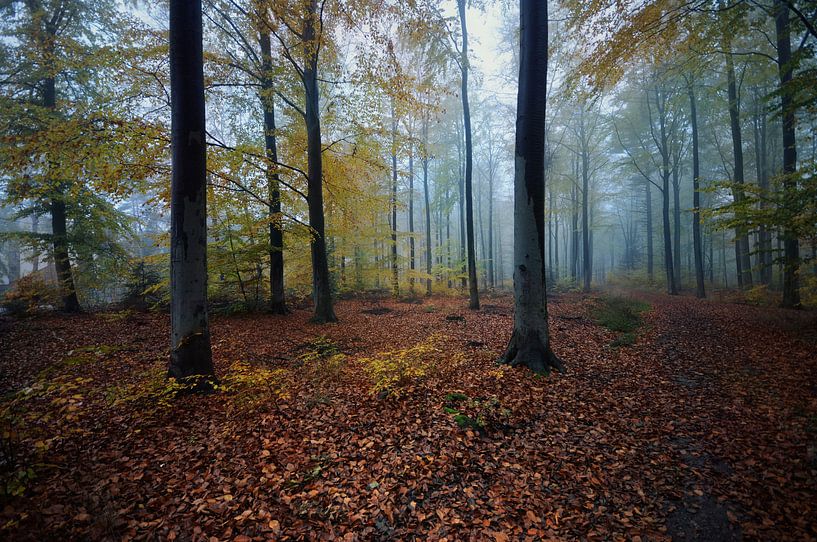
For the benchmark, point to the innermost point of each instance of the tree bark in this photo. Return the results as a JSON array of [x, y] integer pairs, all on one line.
[[743, 264], [411, 220], [661, 104], [277, 304], [700, 290], [530, 341], [321, 285], [395, 278], [473, 287], [191, 357], [791, 245], [587, 274], [59, 221], [427, 208], [650, 249]]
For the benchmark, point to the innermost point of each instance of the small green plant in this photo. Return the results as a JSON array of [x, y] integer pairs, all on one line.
[[467, 422], [480, 414]]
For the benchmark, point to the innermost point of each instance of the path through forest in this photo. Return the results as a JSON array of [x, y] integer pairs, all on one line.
[[704, 429]]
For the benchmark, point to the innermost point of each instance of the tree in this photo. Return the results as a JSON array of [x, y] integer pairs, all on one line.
[[276, 236], [191, 356], [473, 287], [696, 192], [530, 341], [307, 28], [791, 247], [742, 260]]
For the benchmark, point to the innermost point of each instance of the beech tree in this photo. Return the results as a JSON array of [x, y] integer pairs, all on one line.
[[191, 357], [473, 286], [530, 341]]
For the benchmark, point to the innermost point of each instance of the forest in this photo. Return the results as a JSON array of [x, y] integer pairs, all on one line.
[[408, 270]]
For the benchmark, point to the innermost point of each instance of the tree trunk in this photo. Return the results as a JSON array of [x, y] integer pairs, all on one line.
[[676, 230], [35, 256], [191, 357], [743, 264], [321, 286], [585, 164], [277, 303], [555, 245], [761, 157], [411, 220], [473, 288], [428, 215], [59, 222], [700, 290], [661, 104], [395, 278], [491, 274], [791, 246], [650, 249], [530, 341]]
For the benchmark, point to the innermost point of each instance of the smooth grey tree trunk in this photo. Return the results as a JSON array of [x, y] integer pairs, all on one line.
[[190, 357], [530, 341]]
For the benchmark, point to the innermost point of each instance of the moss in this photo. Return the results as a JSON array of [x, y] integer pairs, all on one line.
[[466, 422]]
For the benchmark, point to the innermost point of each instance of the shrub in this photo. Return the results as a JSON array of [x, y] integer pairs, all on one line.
[[30, 294], [620, 314], [146, 287], [397, 371]]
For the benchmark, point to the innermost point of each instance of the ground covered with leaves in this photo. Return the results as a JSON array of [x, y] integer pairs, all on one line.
[[677, 419]]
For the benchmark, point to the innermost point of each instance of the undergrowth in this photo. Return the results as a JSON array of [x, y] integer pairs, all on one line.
[[622, 315]]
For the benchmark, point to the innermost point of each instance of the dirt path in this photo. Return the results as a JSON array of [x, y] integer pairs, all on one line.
[[743, 384]]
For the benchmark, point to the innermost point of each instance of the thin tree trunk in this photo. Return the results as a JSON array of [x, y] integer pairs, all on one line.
[[395, 279], [411, 220], [428, 213], [585, 165], [277, 303], [676, 230], [700, 290], [744, 265], [473, 293], [650, 249], [59, 221], [321, 285], [491, 271], [791, 246]]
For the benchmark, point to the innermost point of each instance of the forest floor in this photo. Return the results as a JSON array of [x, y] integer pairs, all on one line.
[[705, 428]]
